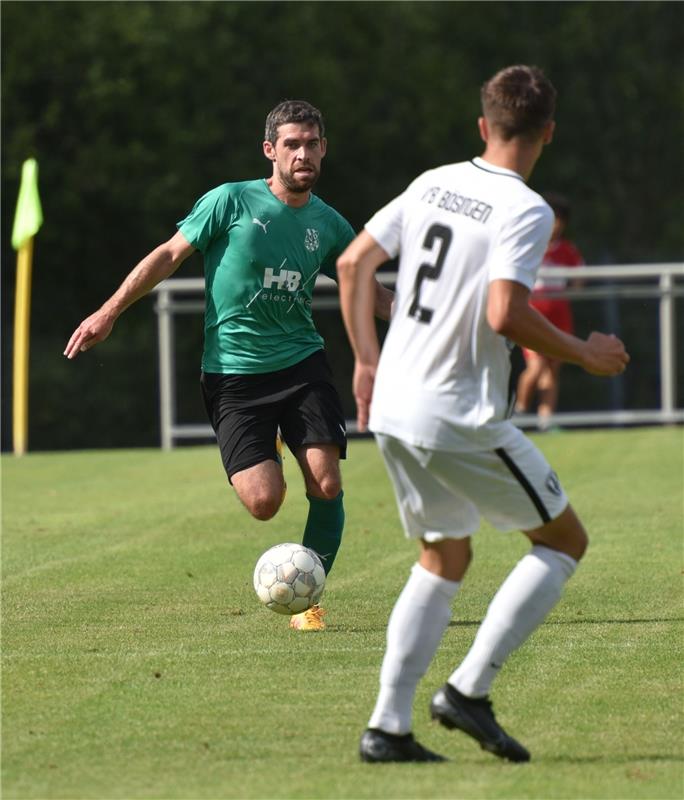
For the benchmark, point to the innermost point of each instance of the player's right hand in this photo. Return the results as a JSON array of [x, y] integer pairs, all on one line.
[[605, 355], [92, 330], [364, 380]]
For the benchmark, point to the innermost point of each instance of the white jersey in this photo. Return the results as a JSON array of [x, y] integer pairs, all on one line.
[[443, 377]]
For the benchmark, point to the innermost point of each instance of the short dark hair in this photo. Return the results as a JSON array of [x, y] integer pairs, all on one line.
[[292, 111], [518, 101]]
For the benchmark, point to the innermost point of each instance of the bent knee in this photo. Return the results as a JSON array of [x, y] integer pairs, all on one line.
[[448, 558], [576, 541], [582, 543], [565, 534], [327, 488], [263, 509], [263, 505]]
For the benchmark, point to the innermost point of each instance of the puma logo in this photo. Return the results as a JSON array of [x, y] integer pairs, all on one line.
[[260, 223]]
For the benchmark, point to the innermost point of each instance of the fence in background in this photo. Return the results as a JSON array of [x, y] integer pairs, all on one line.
[[661, 281]]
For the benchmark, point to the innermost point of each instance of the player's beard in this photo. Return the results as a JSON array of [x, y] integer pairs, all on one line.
[[300, 184]]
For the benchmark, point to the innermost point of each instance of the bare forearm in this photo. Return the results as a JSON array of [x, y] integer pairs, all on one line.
[[361, 295], [151, 270], [509, 314], [384, 298], [358, 302], [532, 330], [154, 268]]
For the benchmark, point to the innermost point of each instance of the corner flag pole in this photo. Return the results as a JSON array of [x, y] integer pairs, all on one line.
[[27, 222]]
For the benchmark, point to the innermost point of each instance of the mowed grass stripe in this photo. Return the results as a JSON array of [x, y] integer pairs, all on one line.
[[137, 662]]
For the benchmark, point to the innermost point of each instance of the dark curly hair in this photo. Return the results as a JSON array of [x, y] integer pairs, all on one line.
[[292, 111]]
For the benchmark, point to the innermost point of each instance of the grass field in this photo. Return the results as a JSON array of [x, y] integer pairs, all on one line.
[[137, 662]]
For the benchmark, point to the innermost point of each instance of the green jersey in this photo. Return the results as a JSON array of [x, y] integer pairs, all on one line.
[[261, 260]]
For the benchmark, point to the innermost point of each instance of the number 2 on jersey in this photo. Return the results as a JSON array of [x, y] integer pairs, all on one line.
[[426, 271]]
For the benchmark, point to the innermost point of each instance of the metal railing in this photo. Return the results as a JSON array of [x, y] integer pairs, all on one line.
[[176, 296]]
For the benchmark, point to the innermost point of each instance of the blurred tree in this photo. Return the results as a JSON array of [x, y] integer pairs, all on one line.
[[133, 110]]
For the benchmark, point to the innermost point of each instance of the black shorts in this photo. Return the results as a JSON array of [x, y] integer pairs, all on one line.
[[247, 410]]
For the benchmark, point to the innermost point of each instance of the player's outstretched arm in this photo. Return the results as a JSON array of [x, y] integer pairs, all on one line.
[[162, 262], [510, 314]]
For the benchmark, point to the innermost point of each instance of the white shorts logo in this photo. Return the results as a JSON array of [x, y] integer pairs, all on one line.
[[553, 484]]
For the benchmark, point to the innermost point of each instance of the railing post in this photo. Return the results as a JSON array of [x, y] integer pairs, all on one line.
[[167, 389], [668, 376], [668, 289]]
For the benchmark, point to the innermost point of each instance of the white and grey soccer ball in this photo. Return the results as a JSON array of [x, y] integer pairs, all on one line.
[[289, 578]]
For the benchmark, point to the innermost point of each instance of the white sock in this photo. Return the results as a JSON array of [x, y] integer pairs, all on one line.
[[416, 626], [522, 603]]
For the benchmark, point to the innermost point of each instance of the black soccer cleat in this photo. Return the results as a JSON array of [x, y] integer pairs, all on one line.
[[379, 747], [475, 717]]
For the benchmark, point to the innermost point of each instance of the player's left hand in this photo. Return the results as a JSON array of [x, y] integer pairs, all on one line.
[[604, 355]]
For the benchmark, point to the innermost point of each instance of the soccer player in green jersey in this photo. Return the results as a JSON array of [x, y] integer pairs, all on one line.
[[264, 368]]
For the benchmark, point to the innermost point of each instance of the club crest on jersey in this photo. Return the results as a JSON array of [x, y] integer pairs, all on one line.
[[311, 239]]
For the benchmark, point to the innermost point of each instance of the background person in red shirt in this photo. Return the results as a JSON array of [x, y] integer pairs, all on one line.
[[542, 374]]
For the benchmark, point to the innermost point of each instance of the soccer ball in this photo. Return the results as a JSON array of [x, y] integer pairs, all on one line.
[[289, 578]]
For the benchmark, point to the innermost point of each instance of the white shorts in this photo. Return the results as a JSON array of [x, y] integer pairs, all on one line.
[[444, 495]]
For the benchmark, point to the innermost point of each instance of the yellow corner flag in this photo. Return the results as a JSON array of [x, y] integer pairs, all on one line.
[[29, 216], [27, 222]]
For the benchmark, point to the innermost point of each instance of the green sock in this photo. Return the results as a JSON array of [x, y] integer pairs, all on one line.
[[323, 532]]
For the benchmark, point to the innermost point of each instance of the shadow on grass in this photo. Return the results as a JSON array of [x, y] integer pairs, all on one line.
[[578, 621], [608, 759], [474, 623]]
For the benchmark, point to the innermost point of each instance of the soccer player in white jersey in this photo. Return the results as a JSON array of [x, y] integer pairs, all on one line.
[[470, 238]]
